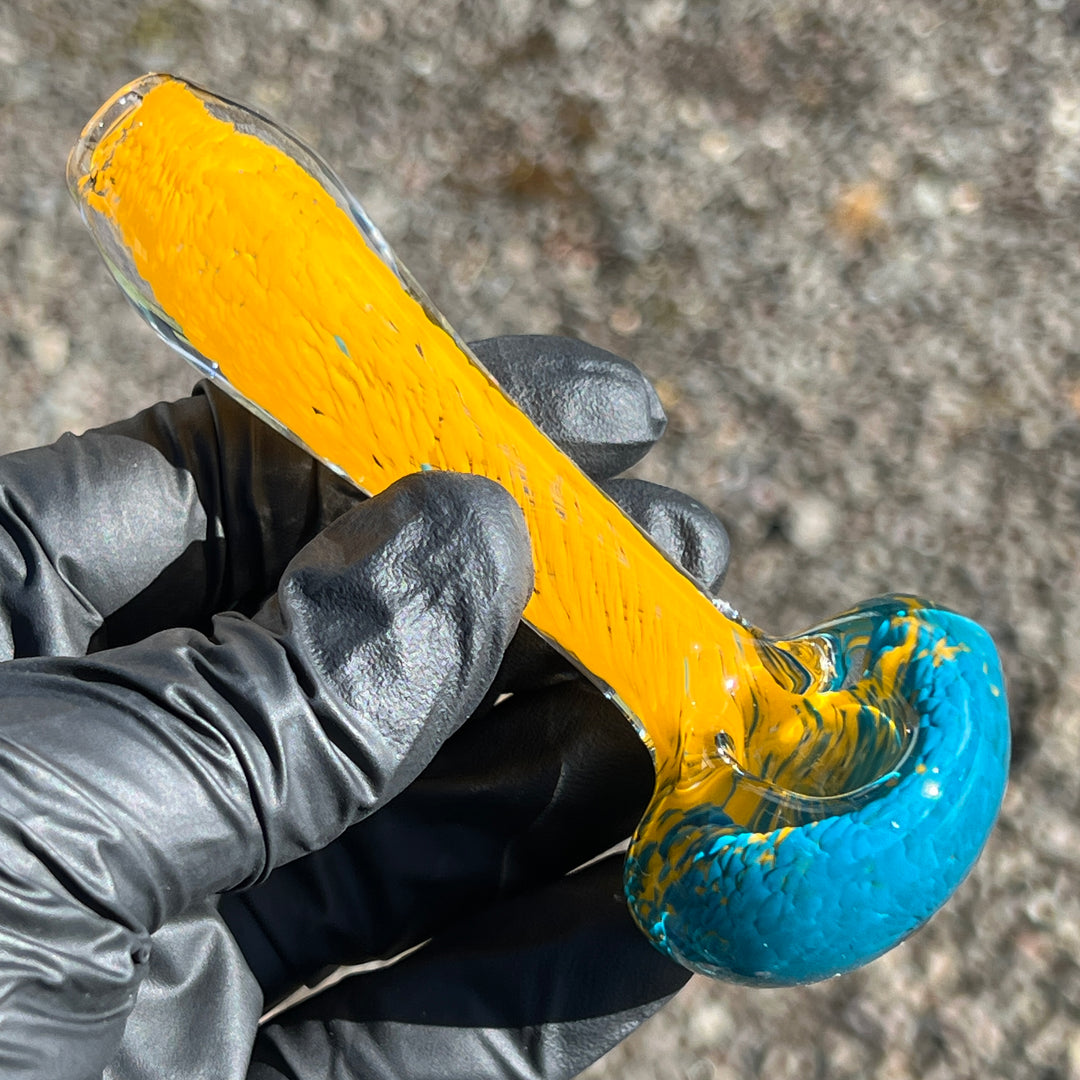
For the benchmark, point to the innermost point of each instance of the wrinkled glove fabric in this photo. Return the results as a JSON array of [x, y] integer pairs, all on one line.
[[254, 726]]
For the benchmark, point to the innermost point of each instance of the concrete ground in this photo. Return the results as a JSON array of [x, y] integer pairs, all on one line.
[[843, 238]]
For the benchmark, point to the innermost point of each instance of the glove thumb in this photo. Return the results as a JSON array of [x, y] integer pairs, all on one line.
[[140, 780]]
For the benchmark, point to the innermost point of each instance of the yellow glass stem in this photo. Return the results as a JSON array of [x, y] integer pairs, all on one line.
[[263, 271]]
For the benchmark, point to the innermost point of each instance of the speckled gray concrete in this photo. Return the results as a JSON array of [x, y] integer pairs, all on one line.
[[843, 237]]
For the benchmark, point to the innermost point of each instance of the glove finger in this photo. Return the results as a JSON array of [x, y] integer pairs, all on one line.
[[162, 520], [197, 981], [687, 531], [593, 404], [540, 985], [138, 781], [519, 796], [195, 507]]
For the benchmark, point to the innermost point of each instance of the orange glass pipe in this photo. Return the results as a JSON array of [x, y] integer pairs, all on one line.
[[245, 253]]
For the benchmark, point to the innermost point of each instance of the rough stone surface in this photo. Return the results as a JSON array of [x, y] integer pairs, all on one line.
[[842, 237]]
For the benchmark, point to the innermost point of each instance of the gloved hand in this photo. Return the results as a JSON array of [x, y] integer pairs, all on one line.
[[227, 673]]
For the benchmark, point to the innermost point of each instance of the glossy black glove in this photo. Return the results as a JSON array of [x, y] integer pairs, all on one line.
[[156, 753]]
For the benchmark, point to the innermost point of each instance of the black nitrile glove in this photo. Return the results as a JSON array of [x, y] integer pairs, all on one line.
[[168, 734]]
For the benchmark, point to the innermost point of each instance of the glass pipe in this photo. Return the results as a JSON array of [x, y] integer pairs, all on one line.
[[816, 798]]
